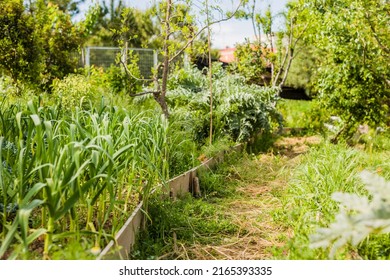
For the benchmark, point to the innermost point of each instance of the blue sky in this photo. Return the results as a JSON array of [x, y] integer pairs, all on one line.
[[227, 33]]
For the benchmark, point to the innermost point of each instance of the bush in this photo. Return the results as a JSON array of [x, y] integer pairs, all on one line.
[[251, 62], [189, 78], [248, 112], [73, 90], [239, 110]]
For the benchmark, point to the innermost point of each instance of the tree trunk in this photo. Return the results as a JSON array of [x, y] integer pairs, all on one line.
[[164, 79]]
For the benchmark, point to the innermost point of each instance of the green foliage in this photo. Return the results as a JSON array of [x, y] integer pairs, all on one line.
[[358, 217], [188, 220], [182, 150], [251, 62], [308, 205], [324, 170], [115, 78], [248, 112], [240, 110], [60, 41], [20, 53], [38, 45], [352, 78], [189, 78], [7, 87], [213, 185], [303, 71], [121, 81], [113, 21], [73, 91], [75, 171], [309, 115]]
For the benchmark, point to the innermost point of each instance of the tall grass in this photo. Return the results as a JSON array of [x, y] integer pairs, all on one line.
[[74, 173], [308, 205]]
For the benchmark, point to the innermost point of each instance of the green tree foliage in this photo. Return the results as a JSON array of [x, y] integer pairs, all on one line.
[[70, 6], [60, 42], [67, 6], [39, 44], [353, 37], [116, 22], [273, 49], [303, 71], [19, 46], [251, 62]]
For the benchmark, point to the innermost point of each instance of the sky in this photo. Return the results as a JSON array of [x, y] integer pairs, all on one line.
[[228, 33]]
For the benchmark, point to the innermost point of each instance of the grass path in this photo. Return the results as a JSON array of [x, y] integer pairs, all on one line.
[[237, 216], [260, 182]]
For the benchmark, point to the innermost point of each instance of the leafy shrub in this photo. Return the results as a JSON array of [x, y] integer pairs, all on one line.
[[247, 113], [251, 62], [239, 110], [188, 78], [353, 66], [72, 90], [115, 78], [131, 78], [7, 88], [20, 54]]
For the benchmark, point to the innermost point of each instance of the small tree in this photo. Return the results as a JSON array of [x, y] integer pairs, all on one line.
[[20, 52], [39, 44], [353, 37], [275, 50], [60, 42], [175, 22], [67, 6], [252, 62]]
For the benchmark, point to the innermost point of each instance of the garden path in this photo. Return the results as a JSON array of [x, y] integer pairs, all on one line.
[[261, 181]]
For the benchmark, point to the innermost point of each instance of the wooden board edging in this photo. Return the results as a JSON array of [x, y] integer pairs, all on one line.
[[179, 185], [125, 238]]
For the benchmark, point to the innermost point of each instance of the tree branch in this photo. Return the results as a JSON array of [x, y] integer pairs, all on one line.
[[179, 52], [382, 46], [130, 75], [144, 93]]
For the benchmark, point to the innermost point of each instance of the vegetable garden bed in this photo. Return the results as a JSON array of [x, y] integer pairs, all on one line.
[[74, 176]]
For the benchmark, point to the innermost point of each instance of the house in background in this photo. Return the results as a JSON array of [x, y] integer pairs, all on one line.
[[227, 55]]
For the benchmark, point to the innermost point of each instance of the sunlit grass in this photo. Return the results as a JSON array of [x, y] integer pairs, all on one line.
[[308, 204]]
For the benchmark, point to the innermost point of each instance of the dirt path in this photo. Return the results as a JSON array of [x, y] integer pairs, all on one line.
[[261, 182]]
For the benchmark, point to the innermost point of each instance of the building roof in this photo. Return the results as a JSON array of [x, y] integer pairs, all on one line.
[[227, 55]]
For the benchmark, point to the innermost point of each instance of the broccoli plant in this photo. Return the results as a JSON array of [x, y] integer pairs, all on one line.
[[358, 216]]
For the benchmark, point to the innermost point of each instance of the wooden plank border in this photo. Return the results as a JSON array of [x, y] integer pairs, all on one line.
[[184, 183]]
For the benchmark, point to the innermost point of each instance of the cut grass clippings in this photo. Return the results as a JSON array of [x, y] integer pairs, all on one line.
[[234, 218]]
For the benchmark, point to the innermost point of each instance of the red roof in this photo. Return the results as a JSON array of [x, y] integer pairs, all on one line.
[[227, 55]]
